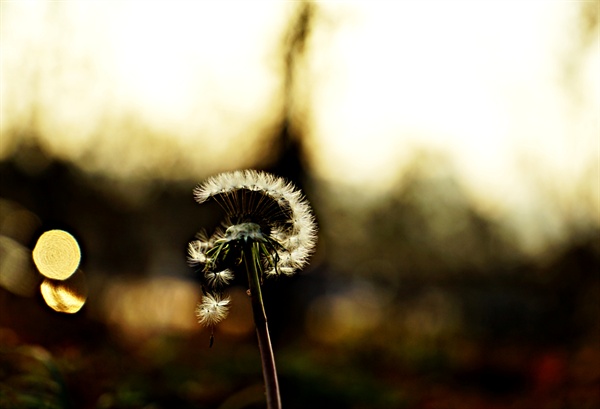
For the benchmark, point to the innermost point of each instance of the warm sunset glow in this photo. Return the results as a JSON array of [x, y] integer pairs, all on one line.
[[462, 83], [143, 91], [56, 254], [482, 83], [188, 84]]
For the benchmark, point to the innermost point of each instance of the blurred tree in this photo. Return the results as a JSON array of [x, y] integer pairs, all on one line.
[[288, 144]]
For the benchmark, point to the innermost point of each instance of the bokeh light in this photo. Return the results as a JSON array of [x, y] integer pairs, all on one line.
[[345, 317], [17, 273], [67, 296], [57, 254], [239, 321], [141, 308], [17, 222]]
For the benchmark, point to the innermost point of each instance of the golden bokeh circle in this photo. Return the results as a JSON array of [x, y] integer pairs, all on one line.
[[66, 296], [57, 254]]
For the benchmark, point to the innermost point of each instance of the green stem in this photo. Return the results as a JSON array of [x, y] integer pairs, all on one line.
[[251, 260]]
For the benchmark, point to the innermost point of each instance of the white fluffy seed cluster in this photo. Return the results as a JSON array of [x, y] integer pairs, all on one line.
[[273, 186], [297, 243]]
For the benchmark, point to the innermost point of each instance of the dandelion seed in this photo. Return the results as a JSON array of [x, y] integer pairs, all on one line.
[[197, 252], [218, 278], [212, 310]]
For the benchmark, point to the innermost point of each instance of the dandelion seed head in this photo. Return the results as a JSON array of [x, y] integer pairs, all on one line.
[[260, 210], [262, 207]]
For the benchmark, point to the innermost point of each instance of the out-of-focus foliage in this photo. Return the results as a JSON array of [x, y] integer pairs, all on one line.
[[427, 227], [31, 379]]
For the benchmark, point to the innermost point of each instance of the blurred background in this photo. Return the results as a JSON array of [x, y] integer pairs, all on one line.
[[450, 150]]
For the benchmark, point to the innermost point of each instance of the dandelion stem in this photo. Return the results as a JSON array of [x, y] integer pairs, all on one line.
[[251, 255]]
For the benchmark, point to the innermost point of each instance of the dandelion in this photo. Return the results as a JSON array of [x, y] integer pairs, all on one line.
[[268, 231]]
